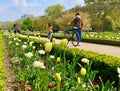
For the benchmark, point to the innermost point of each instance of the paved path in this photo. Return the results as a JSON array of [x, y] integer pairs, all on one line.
[[101, 49]]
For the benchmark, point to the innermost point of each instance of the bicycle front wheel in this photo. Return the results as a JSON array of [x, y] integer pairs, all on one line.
[[67, 35], [75, 41]]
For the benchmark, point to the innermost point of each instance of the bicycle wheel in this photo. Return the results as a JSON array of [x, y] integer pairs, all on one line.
[[67, 35], [74, 39]]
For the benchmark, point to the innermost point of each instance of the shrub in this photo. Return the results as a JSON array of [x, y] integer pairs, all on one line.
[[108, 24]]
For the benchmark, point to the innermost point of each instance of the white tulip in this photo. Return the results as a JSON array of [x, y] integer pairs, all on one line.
[[29, 54], [41, 52], [38, 64]]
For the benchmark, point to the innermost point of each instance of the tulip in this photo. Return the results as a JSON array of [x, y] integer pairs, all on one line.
[[118, 70], [63, 42], [41, 52], [58, 81], [58, 77], [83, 71], [78, 80], [33, 47], [31, 43], [52, 56], [17, 44], [48, 46], [58, 59], [29, 54], [53, 40], [85, 60], [24, 46], [38, 64], [10, 42]]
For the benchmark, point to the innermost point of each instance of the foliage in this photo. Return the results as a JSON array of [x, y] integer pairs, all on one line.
[[76, 8], [89, 1], [2, 54], [64, 20], [67, 17], [108, 63], [108, 24], [93, 1], [115, 15], [40, 23], [55, 9], [93, 16], [47, 74], [27, 24], [1, 27], [99, 10], [107, 38]]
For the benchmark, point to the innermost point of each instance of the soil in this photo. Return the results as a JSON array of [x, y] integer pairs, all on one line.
[[10, 77]]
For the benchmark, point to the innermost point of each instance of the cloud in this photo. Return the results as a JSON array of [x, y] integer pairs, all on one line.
[[16, 2], [25, 4]]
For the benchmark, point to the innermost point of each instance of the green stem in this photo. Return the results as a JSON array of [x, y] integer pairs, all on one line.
[[91, 85], [58, 86], [64, 65], [119, 85]]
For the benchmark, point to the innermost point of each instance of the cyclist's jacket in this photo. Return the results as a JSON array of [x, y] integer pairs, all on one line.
[[77, 22]]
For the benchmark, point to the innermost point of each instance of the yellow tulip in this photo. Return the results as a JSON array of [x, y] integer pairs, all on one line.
[[48, 46], [83, 71], [58, 59], [63, 42], [17, 44], [33, 47], [78, 80], [58, 77], [53, 40]]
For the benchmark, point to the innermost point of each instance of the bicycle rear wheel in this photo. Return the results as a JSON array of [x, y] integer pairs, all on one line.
[[75, 41]]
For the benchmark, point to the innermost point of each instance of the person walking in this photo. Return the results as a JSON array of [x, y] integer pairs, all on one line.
[[50, 31]]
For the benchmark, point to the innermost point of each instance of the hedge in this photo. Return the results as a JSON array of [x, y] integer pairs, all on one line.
[[106, 65], [1, 64], [90, 40]]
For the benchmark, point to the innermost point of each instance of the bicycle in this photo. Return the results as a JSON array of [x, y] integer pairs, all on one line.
[[71, 37]]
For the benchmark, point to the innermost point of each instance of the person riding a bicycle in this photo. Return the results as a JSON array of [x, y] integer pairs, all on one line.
[[16, 29], [77, 25]]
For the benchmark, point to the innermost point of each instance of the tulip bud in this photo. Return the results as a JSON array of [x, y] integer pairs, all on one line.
[[48, 46], [83, 71]]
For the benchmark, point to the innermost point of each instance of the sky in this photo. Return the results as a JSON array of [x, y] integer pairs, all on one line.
[[11, 10]]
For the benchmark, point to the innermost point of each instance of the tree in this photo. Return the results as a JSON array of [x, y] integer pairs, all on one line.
[[52, 10], [77, 8], [1, 27], [89, 1], [92, 1], [108, 24], [27, 24], [40, 23]]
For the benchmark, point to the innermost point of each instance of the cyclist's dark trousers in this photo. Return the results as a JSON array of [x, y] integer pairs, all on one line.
[[78, 34]]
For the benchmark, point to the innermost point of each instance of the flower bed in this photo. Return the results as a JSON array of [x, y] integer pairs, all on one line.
[[41, 68], [1, 64]]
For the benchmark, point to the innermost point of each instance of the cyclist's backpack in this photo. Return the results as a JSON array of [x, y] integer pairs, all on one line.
[[77, 23]]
